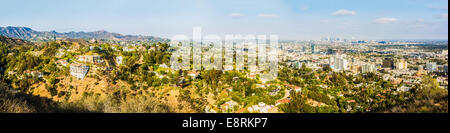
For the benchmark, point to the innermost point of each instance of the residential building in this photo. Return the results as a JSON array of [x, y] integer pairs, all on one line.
[[431, 67], [388, 63], [228, 68], [193, 74], [119, 60], [368, 68], [62, 62], [79, 70], [96, 59], [261, 108], [36, 74], [338, 63], [229, 106], [401, 64]]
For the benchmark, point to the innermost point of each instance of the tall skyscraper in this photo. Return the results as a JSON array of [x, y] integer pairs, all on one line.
[[313, 48]]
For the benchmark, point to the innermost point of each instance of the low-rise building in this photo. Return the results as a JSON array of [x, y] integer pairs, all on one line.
[[193, 74], [228, 68], [119, 60], [283, 101], [79, 70], [126, 49], [262, 108], [229, 106], [36, 74], [62, 62], [95, 59]]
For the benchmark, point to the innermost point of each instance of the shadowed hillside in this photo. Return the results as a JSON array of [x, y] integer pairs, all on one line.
[[12, 41], [15, 102]]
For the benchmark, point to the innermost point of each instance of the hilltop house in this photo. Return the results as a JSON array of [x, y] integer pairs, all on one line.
[[209, 109], [252, 75], [295, 88], [262, 108], [152, 49], [119, 60], [193, 74], [79, 70], [283, 101], [126, 49], [62, 62], [34, 74], [228, 68], [91, 59], [163, 66], [229, 106], [60, 53]]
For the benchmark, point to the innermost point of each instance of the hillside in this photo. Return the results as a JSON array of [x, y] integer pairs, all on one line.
[[13, 41], [32, 35]]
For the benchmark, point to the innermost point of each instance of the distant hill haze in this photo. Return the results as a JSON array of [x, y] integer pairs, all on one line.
[[32, 35]]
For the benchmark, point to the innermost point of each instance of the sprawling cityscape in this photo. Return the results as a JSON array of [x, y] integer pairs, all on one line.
[[323, 76], [45, 71]]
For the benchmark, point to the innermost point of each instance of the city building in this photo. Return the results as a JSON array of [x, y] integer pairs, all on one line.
[[338, 63], [368, 68], [446, 69], [401, 64], [431, 67], [331, 52], [388, 63]]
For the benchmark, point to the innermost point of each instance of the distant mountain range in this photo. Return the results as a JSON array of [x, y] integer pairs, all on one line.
[[32, 35]]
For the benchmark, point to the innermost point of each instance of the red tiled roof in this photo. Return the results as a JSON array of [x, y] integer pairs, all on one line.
[[284, 100], [241, 110]]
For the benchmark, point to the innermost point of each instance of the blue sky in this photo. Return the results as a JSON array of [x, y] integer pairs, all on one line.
[[290, 19]]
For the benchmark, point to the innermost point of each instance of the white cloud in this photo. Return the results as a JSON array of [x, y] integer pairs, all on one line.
[[304, 8], [444, 16], [344, 12], [267, 16], [385, 20], [236, 15]]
